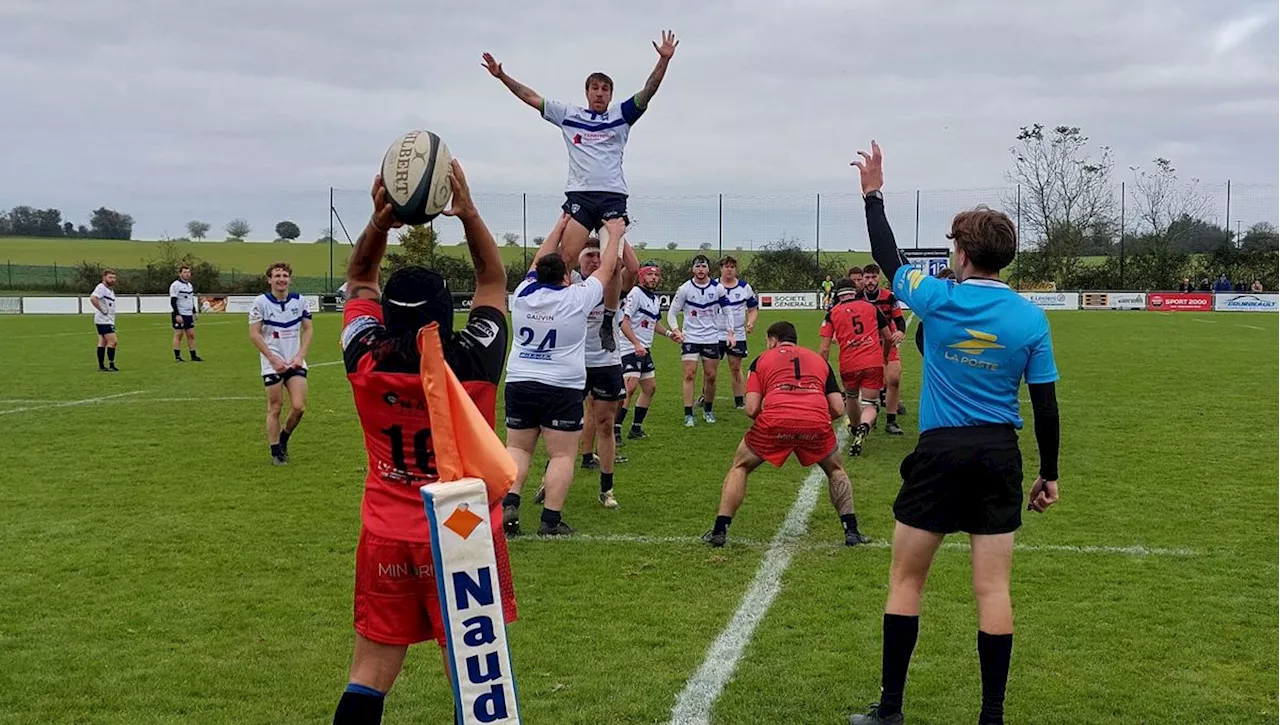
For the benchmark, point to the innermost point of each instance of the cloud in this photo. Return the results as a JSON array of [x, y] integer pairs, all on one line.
[[224, 108]]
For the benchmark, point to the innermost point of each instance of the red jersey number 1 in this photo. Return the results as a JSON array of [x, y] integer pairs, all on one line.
[[422, 453]]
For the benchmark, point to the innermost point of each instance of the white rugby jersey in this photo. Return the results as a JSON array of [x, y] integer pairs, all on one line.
[[186, 294], [701, 307], [595, 142], [595, 354], [644, 309], [737, 300], [107, 301], [281, 326], [549, 326]]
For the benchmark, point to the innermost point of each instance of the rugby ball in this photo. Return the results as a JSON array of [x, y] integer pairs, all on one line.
[[416, 173]]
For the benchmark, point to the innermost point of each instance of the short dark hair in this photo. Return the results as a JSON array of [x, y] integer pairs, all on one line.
[[855, 270], [946, 273], [728, 259], [871, 269], [108, 271], [600, 77], [700, 259], [279, 265], [782, 331], [987, 237], [185, 266], [550, 269], [593, 242]]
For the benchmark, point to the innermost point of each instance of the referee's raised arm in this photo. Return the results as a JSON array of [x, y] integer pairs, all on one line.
[[883, 247]]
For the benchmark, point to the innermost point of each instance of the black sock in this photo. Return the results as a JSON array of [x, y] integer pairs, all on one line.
[[688, 410], [706, 405], [891, 418], [111, 355], [722, 524], [849, 521], [994, 651], [550, 518], [606, 482], [739, 400], [359, 705], [193, 353], [284, 438], [511, 499], [640, 414], [620, 418], [177, 354], [586, 458], [102, 352], [899, 640], [275, 450]]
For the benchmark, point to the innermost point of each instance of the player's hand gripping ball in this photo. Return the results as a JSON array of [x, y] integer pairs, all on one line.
[[416, 173]]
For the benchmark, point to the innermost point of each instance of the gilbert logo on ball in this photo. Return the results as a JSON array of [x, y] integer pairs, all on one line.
[[416, 171]]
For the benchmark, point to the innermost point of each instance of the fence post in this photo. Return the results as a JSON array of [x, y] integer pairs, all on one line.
[[720, 225], [524, 226], [917, 218], [1122, 196], [55, 274], [9, 263], [1227, 225], [330, 285], [817, 233], [1017, 248]]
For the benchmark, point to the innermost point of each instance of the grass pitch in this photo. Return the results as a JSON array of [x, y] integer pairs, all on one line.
[[157, 569]]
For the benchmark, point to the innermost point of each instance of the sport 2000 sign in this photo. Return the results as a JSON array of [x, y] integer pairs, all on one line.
[[1180, 302]]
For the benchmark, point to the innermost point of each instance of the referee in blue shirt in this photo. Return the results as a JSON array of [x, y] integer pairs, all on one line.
[[966, 471]]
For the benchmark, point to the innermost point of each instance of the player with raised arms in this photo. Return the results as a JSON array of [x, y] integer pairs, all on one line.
[[862, 333], [700, 299], [792, 397], [596, 136], [965, 473], [547, 373], [103, 299], [182, 303], [741, 307], [280, 327], [641, 316], [396, 599]]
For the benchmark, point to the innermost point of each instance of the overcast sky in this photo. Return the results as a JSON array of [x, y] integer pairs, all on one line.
[[174, 110]]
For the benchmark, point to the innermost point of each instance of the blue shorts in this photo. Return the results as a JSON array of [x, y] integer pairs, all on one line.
[[105, 329], [592, 209], [538, 405], [188, 323], [738, 349]]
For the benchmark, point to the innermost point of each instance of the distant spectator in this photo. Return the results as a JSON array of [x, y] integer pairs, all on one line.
[[1239, 286], [1256, 286], [1205, 286], [1223, 284], [1186, 285]]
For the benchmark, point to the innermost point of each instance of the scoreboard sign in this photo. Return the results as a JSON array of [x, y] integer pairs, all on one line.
[[1095, 301], [930, 261]]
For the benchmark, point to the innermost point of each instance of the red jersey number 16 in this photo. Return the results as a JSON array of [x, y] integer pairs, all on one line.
[[423, 454]]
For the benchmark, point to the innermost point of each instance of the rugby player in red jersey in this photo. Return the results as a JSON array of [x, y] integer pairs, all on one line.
[[396, 604], [863, 334], [887, 303], [792, 397]]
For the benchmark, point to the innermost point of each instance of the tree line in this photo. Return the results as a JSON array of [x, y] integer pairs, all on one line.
[[1153, 238], [27, 221]]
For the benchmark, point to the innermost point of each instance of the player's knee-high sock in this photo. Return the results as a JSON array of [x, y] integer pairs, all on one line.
[[722, 524], [359, 705], [619, 419], [994, 651], [641, 412], [177, 351], [900, 633], [606, 482], [102, 356], [111, 354]]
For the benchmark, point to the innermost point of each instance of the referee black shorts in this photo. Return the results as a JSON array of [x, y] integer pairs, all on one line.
[[963, 479]]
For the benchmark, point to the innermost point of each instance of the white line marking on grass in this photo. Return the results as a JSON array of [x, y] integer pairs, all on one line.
[[193, 400], [1136, 550], [70, 403], [127, 330], [693, 706], [1201, 319], [325, 364], [1251, 327]]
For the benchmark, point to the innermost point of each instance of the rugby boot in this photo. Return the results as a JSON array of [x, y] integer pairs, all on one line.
[[892, 429], [873, 717], [715, 539], [709, 417], [688, 421], [637, 434], [858, 437], [541, 495], [511, 520], [608, 500], [560, 529], [855, 537]]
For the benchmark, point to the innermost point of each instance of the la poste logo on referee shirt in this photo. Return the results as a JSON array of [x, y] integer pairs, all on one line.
[[968, 352]]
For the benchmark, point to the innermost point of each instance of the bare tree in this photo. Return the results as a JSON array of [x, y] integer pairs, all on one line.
[[1161, 199], [1063, 186]]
